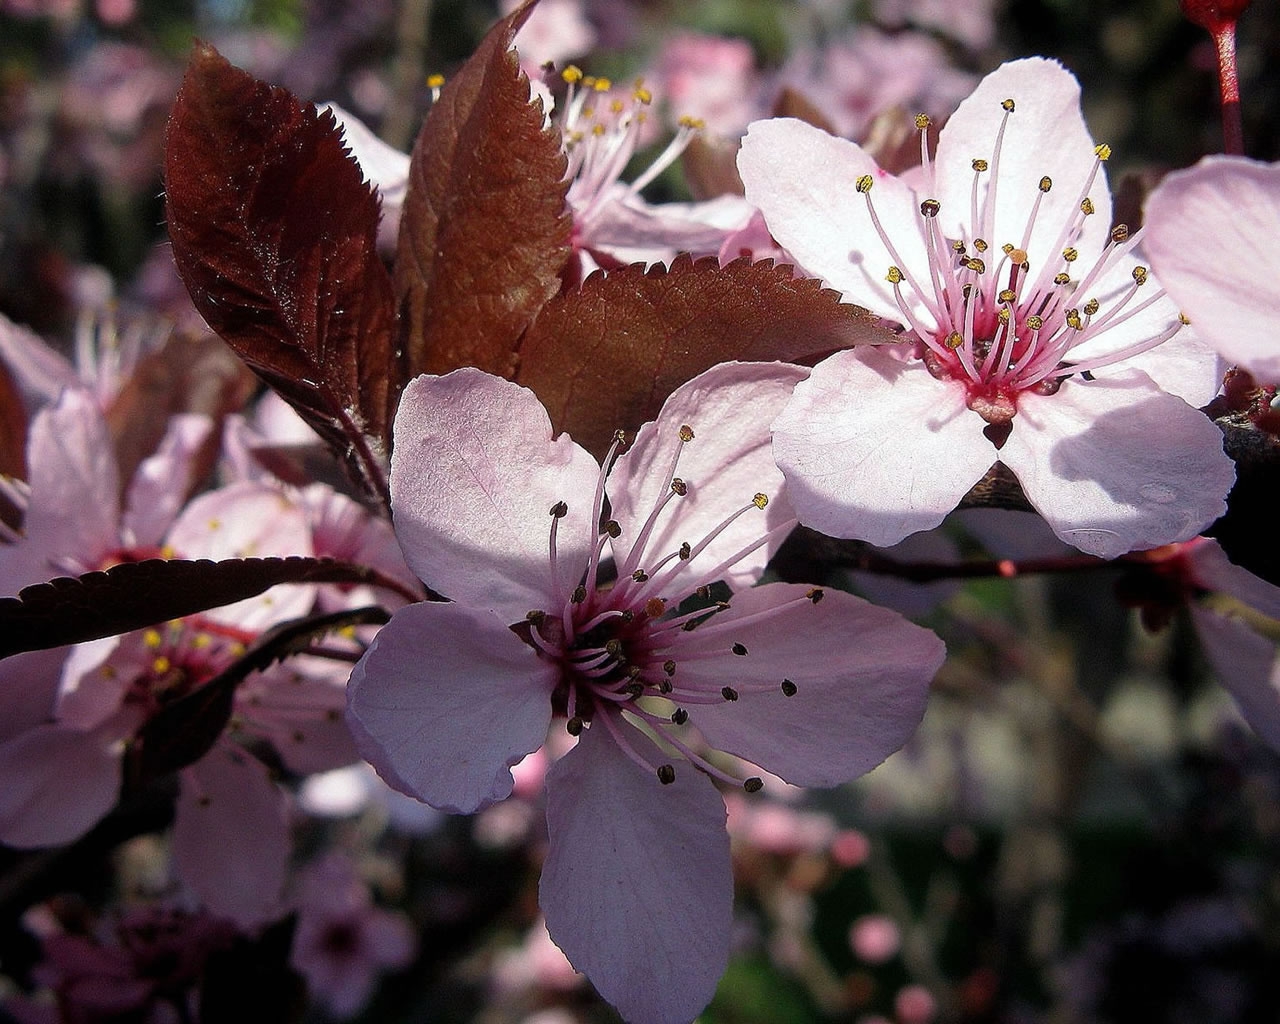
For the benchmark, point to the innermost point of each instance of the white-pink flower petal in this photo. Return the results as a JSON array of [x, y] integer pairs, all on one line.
[[475, 473], [445, 701], [637, 888], [856, 700], [1117, 466], [875, 448]]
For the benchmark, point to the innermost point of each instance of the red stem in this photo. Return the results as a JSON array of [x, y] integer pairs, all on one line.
[[1224, 41]]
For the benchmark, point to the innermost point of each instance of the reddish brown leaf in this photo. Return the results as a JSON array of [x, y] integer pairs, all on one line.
[[710, 166], [273, 232], [607, 356], [188, 373], [71, 610], [484, 232], [13, 443]]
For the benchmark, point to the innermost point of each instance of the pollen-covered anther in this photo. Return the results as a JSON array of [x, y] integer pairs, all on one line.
[[930, 207], [686, 433], [1073, 319], [976, 265], [753, 784], [728, 693], [642, 95], [894, 276], [685, 551], [669, 667], [614, 647], [1102, 151], [980, 165], [152, 638], [1046, 183], [435, 81], [655, 607], [1007, 105], [1087, 207], [536, 616], [760, 499], [666, 774], [559, 510], [788, 688], [1120, 233], [1070, 254], [923, 121], [1140, 275], [738, 649], [640, 576], [679, 716], [1008, 295], [1035, 322], [572, 74], [1091, 307], [980, 244], [613, 529], [954, 340], [815, 594], [579, 595], [864, 183], [679, 486], [695, 124], [1061, 279], [1184, 319]]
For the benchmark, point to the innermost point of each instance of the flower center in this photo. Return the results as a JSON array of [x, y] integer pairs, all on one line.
[[617, 636], [991, 321]]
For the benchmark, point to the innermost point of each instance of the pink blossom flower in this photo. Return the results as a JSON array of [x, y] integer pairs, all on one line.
[[866, 73], [556, 31], [1211, 237], [711, 78], [1014, 291], [612, 624], [342, 941]]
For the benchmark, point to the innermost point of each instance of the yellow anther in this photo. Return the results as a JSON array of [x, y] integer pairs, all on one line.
[[1046, 183], [958, 246], [894, 276], [1120, 233], [1008, 105], [597, 130], [168, 551], [980, 244], [976, 265], [617, 106], [160, 666], [1070, 254], [923, 121], [1073, 319], [1009, 295], [1003, 315], [864, 184], [347, 631], [588, 112], [1140, 275], [237, 649], [1184, 320], [980, 165], [1061, 278], [1102, 151], [692, 123], [1035, 322], [1091, 307], [201, 640], [954, 340], [601, 85], [760, 500], [437, 80], [152, 638], [1086, 206], [572, 74], [642, 95], [1007, 248], [686, 433], [930, 207]]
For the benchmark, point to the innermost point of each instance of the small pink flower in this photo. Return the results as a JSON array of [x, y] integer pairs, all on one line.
[[615, 625], [342, 941], [1211, 234], [875, 938], [1014, 292]]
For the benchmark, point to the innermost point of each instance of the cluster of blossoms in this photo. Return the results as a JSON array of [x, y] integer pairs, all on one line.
[[614, 617]]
